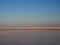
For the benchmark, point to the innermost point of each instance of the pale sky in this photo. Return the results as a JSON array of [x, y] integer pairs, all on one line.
[[29, 12]]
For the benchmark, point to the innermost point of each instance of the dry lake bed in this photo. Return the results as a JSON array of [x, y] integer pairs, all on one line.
[[29, 37]]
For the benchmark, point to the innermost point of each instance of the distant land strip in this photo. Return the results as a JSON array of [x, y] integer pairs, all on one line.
[[30, 28]]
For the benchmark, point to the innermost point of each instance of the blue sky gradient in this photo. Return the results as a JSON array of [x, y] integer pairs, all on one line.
[[29, 12]]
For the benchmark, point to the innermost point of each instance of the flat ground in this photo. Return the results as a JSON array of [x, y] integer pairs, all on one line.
[[29, 37]]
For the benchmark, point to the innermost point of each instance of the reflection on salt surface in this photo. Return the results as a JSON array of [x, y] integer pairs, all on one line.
[[21, 37]]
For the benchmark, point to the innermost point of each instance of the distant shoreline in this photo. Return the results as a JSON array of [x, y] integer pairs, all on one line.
[[30, 28]]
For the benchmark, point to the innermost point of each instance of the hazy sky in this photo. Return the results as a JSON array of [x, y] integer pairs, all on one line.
[[30, 12]]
